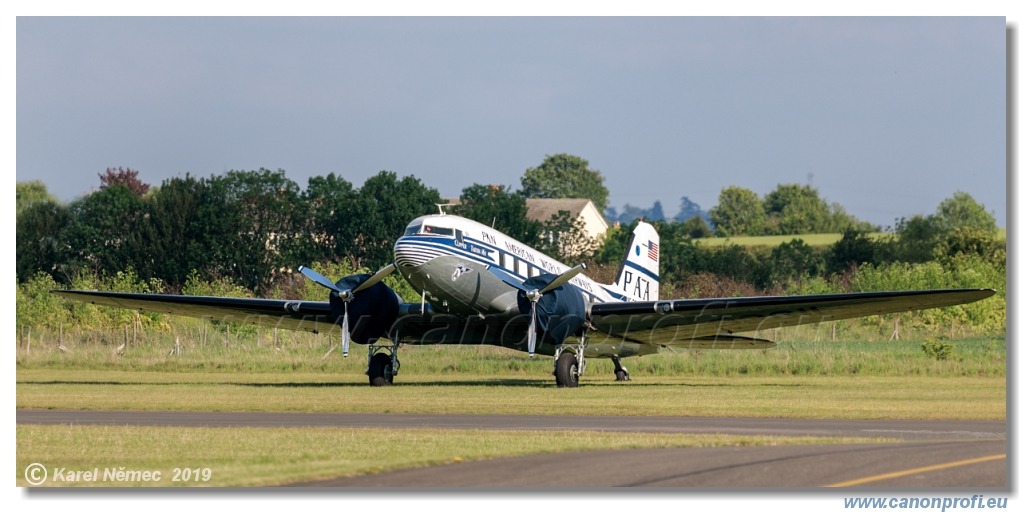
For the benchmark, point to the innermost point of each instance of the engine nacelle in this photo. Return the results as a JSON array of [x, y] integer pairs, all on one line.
[[561, 312], [371, 312]]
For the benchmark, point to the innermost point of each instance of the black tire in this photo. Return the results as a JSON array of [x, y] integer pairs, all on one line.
[[380, 370], [567, 371], [621, 375]]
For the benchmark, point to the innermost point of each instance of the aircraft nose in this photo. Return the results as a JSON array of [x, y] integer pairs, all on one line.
[[410, 253]]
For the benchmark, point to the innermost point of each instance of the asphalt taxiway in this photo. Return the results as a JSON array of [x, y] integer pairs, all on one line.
[[957, 454]]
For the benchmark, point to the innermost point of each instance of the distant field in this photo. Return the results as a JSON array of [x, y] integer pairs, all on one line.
[[813, 240]]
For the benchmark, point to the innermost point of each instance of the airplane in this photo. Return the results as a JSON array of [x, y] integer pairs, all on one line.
[[479, 286]]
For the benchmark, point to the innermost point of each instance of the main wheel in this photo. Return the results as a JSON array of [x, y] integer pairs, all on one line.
[[567, 372], [621, 375], [380, 370]]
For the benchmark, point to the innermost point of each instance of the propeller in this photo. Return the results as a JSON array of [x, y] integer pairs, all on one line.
[[534, 295], [346, 295]]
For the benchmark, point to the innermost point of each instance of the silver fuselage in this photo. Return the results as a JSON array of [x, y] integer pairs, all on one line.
[[446, 258]]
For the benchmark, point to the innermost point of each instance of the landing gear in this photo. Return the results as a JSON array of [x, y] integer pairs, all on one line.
[[567, 374], [382, 364], [621, 374], [569, 365]]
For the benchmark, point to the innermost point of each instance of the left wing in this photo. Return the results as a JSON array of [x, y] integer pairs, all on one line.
[[711, 323], [296, 315]]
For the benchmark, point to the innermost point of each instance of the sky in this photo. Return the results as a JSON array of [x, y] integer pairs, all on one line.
[[885, 116]]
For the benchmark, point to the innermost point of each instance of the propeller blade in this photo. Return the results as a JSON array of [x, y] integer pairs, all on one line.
[[376, 278], [318, 278], [345, 336], [564, 277], [506, 277], [531, 340]]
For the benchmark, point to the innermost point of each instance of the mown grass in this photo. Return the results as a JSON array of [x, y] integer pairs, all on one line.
[[275, 456], [982, 357], [865, 397]]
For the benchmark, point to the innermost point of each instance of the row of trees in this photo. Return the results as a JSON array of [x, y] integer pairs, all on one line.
[[249, 227], [253, 227]]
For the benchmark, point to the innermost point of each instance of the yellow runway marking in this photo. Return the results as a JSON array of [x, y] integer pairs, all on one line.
[[925, 469]]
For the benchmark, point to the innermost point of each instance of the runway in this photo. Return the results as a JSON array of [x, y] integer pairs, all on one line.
[[964, 454]]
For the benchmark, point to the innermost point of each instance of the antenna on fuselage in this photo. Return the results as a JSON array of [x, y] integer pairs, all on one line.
[[440, 207]]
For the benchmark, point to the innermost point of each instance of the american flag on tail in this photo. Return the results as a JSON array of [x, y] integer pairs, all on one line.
[[652, 251]]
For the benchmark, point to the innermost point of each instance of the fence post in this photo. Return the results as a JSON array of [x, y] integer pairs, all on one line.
[[895, 330]]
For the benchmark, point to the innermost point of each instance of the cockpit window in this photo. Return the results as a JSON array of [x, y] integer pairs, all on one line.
[[413, 229], [434, 230]]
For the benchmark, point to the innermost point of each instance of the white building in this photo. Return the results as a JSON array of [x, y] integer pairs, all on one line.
[[541, 210]]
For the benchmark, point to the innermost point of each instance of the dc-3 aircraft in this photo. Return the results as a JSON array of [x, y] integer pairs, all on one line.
[[482, 287]]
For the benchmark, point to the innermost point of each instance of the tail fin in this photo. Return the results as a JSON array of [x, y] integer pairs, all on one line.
[[638, 276]]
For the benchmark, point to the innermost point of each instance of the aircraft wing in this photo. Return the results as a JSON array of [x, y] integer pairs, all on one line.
[[295, 315], [711, 323]]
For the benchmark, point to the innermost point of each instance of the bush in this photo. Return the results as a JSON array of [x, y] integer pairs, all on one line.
[[939, 350]]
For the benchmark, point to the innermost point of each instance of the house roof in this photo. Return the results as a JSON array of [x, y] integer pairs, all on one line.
[[542, 209]]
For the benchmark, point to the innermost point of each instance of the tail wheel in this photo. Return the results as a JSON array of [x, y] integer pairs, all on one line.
[[567, 372], [380, 370]]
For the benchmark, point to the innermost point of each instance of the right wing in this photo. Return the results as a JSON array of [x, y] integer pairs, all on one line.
[[711, 323]]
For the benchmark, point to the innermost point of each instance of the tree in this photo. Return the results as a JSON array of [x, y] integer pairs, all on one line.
[[103, 234], [327, 230], [565, 176], [128, 178], [30, 193], [266, 204], [631, 213], [688, 210], [793, 261], [695, 227], [796, 209], [174, 233], [739, 212], [917, 238], [384, 208], [500, 207], [566, 237], [854, 249], [615, 243], [38, 242], [962, 211]]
